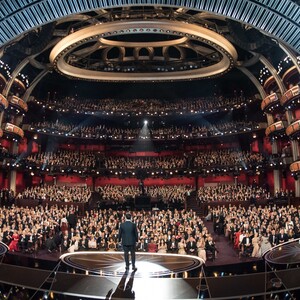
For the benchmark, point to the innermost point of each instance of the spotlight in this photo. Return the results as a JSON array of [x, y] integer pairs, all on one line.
[[145, 122]]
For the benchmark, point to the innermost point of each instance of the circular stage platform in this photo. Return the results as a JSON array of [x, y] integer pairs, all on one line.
[[148, 264], [3, 248], [284, 254]]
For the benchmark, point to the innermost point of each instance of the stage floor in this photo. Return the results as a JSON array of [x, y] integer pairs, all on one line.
[[101, 275], [285, 254], [148, 264]]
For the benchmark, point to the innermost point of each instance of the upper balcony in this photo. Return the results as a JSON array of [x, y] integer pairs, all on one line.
[[271, 104], [293, 130], [111, 134], [291, 98], [17, 105], [295, 169], [275, 130], [12, 132], [144, 107]]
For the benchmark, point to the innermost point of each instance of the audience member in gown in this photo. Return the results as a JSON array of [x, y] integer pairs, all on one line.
[[152, 246]]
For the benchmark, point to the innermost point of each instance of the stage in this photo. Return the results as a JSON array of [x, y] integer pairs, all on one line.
[[101, 275], [148, 264]]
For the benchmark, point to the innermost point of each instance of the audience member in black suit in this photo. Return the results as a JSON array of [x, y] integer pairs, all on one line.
[[83, 244], [191, 246], [246, 244], [172, 245], [282, 237], [50, 244], [211, 247], [72, 219], [273, 238]]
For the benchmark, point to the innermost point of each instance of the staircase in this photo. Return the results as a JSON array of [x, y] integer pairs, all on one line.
[[93, 201], [191, 203]]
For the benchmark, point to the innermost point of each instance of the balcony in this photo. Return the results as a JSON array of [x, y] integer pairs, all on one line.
[[275, 130], [295, 169], [18, 105], [291, 98], [271, 104], [13, 132], [293, 130]]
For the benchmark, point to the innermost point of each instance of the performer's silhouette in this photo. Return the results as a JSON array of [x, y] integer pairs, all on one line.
[[123, 291]]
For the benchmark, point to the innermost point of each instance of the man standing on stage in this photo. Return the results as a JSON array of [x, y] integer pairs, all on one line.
[[129, 236]]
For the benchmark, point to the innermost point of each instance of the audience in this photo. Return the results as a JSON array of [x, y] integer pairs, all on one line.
[[228, 157], [159, 231], [152, 106], [77, 159], [104, 132], [69, 161], [132, 163], [60, 193], [167, 194], [232, 193], [255, 229]]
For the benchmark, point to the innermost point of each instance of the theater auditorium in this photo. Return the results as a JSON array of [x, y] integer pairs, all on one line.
[[179, 116]]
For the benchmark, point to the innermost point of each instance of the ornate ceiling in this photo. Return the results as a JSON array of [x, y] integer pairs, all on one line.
[[277, 18]]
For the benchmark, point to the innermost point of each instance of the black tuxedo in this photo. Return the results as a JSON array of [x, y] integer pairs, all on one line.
[[172, 246], [191, 247], [72, 220], [246, 241], [282, 238], [273, 239], [128, 233], [83, 244], [129, 236]]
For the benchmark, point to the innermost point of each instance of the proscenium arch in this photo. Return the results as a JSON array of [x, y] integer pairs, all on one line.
[[277, 18]]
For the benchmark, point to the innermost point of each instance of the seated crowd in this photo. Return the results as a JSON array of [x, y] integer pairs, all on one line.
[[92, 160], [167, 194], [59, 193], [82, 159], [232, 193], [161, 162], [227, 157], [61, 229], [153, 106], [255, 229], [163, 133]]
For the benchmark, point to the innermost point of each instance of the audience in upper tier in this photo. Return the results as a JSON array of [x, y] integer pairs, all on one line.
[[163, 133], [81, 159], [162, 162], [151, 106], [227, 157], [60, 193], [89, 161], [232, 193]]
